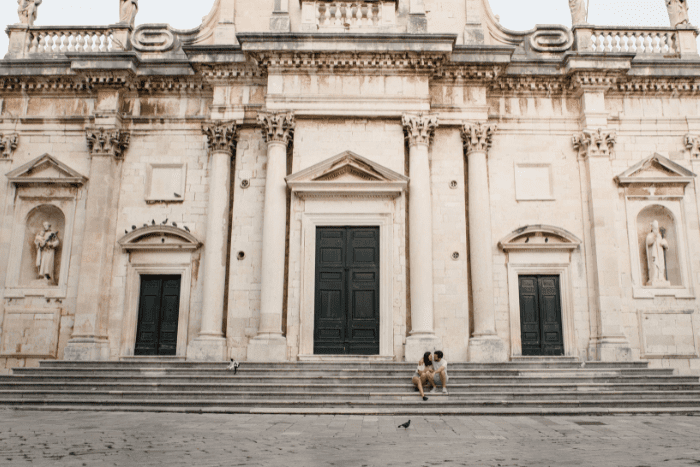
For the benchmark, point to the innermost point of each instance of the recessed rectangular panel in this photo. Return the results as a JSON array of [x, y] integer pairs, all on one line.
[[364, 334], [364, 276], [331, 255], [330, 276], [364, 255], [363, 304], [330, 304]]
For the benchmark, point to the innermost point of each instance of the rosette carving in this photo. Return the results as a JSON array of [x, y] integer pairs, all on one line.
[[111, 142], [221, 136], [477, 137], [277, 127], [419, 129]]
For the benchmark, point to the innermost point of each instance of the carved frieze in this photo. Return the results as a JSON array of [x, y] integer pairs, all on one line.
[[477, 137], [595, 143], [8, 144], [394, 61], [419, 129], [692, 143], [221, 136], [111, 142], [277, 127]]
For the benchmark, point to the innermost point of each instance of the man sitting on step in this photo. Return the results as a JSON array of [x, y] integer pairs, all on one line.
[[440, 371]]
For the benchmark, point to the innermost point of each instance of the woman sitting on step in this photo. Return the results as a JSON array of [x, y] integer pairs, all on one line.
[[424, 374]]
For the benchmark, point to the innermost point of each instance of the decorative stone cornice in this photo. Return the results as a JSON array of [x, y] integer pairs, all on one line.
[[692, 143], [221, 136], [111, 142], [595, 143], [277, 127], [8, 144], [230, 71], [350, 61], [72, 84], [419, 129], [477, 137]]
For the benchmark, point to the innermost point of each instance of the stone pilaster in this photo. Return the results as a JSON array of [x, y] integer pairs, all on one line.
[[484, 344], [419, 130], [270, 344], [210, 344], [107, 146], [595, 149]]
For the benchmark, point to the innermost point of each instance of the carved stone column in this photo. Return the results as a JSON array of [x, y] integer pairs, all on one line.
[[419, 131], [484, 344], [595, 150], [89, 339], [270, 344], [210, 344]]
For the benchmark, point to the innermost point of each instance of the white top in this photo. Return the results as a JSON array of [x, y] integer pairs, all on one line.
[[441, 364]]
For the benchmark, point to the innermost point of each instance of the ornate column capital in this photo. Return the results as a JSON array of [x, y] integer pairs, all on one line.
[[111, 142], [419, 129], [221, 136], [692, 143], [8, 144], [477, 137], [277, 127], [595, 143]]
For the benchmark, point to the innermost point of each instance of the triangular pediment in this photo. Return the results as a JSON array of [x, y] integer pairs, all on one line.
[[656, 169], [348, 174], [45, 170]]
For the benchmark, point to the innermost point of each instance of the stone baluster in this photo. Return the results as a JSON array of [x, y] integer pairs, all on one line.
[[419, 131], [484, 344], [270, 344], [107, 146], [210, 344]]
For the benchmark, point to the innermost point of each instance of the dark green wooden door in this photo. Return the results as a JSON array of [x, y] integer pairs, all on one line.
[[347, 291], [159, 309], [540, 315]]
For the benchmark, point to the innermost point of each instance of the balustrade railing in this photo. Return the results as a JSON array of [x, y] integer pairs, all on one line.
[[325, 15], [641, 42], [58, 40]]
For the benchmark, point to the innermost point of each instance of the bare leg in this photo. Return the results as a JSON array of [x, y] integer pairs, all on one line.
[[417, 382]]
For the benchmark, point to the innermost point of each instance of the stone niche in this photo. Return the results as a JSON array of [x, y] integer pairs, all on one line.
[[655, 193], [46, 193]]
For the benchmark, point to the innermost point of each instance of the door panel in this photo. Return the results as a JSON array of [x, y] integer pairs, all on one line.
[[347, 291], [159, 309], [540, 315]]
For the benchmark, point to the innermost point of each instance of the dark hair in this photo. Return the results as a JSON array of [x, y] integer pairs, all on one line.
[[426, 358], [439, 354]]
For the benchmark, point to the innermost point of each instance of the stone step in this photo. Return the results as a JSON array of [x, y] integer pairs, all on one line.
[[357, 396], [436, 402]]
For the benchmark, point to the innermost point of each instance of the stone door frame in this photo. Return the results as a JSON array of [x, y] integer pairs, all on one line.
[[309, 222], [182, 267]]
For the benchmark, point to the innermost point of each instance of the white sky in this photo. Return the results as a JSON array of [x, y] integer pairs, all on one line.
[[184, 14]]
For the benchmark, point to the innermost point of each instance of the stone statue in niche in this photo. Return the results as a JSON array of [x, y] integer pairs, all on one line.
[[677, 12], [578, 12], [27, 11], [656, 246], [127, 11], [46, 242]]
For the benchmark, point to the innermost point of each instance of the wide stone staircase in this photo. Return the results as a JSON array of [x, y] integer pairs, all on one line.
[[525, 386]]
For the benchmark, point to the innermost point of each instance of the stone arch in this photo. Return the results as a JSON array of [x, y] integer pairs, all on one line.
[[540, 237]]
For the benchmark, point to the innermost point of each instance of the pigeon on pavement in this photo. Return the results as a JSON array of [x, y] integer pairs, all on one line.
[[405, 425]]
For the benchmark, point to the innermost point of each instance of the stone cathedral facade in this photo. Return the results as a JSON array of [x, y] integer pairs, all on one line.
[[317, 179]]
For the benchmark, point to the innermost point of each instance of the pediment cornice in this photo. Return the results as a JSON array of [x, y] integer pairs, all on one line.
[[45, 170], [159, 237], [656, 170]]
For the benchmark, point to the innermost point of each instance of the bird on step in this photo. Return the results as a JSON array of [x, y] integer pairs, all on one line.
[[405, 425]]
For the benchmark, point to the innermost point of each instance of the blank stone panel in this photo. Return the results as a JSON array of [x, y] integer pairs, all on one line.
[[166, 182], [533, 182]]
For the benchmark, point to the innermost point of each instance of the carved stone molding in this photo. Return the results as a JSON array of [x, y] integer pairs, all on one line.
[[230, 71], [692, 143], [221, 136], [595, 143], [71, 84], [390, 61], [110, 142], [419, 129], [477, 137], [277, 127], [8, 144]]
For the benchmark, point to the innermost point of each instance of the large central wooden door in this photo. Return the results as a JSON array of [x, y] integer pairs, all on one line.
[[159, 309], [347, 291], [540, 315]]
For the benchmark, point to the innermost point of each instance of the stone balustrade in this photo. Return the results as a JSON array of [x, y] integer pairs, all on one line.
[[647, 41], [59, 40], [329, 16]]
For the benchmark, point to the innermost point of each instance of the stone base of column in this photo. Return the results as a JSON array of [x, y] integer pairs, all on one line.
[[487, 349], [82, 349], [207, 349], [417, 345], [610, 349], [267, 348]]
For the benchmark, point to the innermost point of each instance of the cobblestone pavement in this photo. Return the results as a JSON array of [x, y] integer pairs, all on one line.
[[164, 439]]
